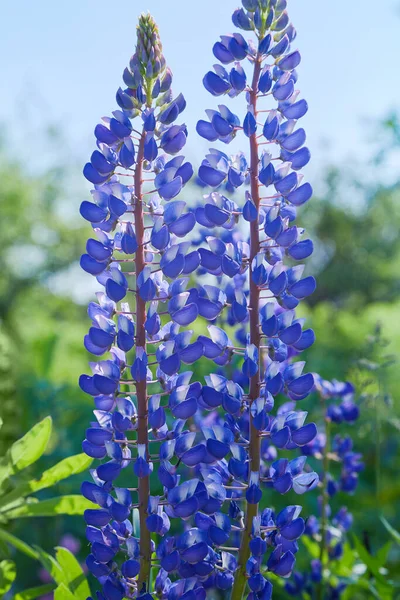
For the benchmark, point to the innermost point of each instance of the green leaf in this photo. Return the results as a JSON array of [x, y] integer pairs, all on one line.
[[51, 565], [344, 565], [371, 562], [311, 545], [18, 544], [75, 576], [382, 554], [361, 584], [384, 592], [27, 450], [65, 468], [35, 592], [8, 573], [393, 532], [61, 505], [63, 593]]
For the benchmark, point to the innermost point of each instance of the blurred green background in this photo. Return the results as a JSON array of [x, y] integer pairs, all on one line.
[[354, 220]]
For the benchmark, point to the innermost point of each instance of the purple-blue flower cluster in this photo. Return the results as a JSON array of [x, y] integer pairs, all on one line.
[[340, 470], [254, 249], [184, 464]]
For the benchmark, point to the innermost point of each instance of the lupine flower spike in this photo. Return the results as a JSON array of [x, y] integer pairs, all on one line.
[[340, 466], [253, 247], [138, 256]]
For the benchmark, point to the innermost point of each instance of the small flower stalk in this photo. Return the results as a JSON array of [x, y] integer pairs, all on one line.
[[340, 468]]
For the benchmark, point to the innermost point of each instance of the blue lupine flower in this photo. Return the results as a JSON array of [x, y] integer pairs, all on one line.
[[261, 291], [337, 400]]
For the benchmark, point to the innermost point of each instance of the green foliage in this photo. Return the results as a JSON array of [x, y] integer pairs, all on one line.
[[362, 572], [35, 592], [393, 532], [16, 502], [8, 574], [25, 451]]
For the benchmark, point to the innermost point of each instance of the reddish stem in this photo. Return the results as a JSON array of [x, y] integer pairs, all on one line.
[[254, 302], [141, 386]]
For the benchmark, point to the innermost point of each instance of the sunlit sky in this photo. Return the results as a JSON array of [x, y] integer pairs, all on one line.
[[62, 63]]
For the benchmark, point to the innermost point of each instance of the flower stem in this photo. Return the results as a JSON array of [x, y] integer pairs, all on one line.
[[254, 301], [141, 387], [324, 506]]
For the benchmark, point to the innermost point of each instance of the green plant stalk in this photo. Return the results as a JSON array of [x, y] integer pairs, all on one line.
[[378, 397], [324, 506], [18, 544]]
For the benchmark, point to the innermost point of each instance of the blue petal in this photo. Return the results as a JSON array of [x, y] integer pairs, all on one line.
[[91, 212], [183, 225], [295, 140], [222, 53], [104, 135], [114, 290], [250, 211], [302, 385], [92, 266], [101, 164], [108, 471], [192, 353], [215, 84], [301, 195], [206, 130], [290, 61], [194, 456], [301, 250], [210, 176], [305, 434], [249, 124], [186, 315], [291, 334], [171, 189], [267, 175], [303, 288], [215, 215], [295, 110], [221, 125]]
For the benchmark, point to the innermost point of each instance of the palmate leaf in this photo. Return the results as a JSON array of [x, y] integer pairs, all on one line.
[[66, 572], [63, 593], [360, 585], [372, 563], [8, 574], [73, 504], [311, 545], [35, 592], [64, 569], [63, 469], [76, 579], [25, 451]]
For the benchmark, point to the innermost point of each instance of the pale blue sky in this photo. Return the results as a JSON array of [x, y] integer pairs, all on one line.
[[62, 62]]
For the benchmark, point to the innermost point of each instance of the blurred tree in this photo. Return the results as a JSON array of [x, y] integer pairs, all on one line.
[[358, 248]]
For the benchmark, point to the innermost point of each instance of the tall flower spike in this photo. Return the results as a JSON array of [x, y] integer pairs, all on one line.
[[143, 407], [263, 286]]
